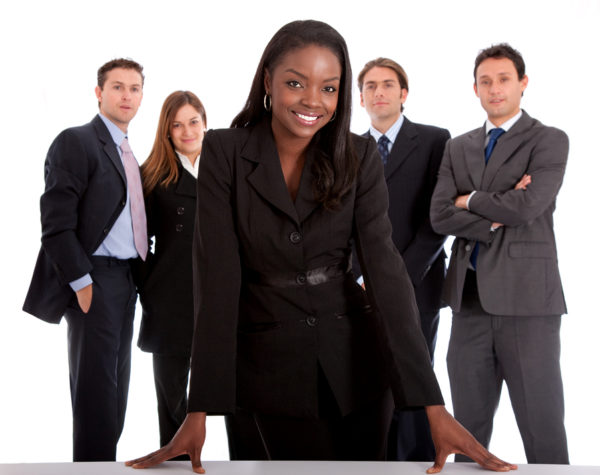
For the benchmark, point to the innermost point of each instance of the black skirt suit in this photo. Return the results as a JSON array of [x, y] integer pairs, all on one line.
[[265, 328], [166, 296]]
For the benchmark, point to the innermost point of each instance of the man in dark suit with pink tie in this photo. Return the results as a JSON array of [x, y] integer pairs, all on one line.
[[93, 226]]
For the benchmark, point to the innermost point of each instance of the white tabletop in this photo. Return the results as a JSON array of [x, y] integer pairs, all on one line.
[[281, 468]]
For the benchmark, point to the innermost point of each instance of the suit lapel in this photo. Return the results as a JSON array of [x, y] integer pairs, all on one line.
[[267, 177], [109, 146], [404, 145], [187, 183], [505, 148], [305, 200], [475, 156]]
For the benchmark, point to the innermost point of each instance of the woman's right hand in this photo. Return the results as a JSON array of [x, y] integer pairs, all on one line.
[[189, 439]]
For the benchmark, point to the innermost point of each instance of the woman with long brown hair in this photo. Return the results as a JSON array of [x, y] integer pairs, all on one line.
[[169, 178]]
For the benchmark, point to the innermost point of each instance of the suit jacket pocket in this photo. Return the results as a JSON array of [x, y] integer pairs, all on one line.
[[531, 250]]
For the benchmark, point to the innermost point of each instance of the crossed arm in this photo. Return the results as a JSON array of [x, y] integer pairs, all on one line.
[[518, 204], [462, 201]]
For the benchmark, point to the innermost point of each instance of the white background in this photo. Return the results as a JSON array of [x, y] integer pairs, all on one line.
[[50, 54]]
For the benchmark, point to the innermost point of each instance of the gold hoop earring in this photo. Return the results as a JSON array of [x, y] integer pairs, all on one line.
[[333, 116], [266, 100]]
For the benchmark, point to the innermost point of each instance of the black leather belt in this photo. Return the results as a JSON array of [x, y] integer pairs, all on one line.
[[317, 276], [106, 261]]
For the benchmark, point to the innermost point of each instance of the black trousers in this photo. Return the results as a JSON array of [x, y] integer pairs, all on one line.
[[410, 435], [100, 360], [361, 435], [486, 350], [171, 374]]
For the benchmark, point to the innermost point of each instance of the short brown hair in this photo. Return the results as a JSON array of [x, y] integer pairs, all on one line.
[[384, 63], [499, 51], [124, 63]]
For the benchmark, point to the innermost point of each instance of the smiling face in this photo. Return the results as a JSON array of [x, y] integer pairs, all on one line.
[[187, 132], [120, 97], [304, 88], [499, 89], [382, 97]]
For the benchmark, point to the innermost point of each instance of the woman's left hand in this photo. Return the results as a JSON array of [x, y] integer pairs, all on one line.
[[449, 437]]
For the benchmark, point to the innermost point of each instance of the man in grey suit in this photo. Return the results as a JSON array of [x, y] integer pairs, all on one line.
[[411, 154], [496, 192]]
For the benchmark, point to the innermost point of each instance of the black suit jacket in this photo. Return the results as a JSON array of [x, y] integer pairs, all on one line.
[[410, 175], [260, 346], [166, 291], [85, 193]]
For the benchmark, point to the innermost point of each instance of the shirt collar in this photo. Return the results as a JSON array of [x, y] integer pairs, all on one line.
[[506, 125], [193, 169], [117, 134], [390, 133]]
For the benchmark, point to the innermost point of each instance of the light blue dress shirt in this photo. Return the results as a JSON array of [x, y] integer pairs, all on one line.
[[390, 133], [119, 242]]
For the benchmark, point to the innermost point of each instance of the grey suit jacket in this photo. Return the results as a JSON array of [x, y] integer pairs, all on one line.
[[517, 265]]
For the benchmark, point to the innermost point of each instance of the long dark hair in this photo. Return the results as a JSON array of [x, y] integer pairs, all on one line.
[[336, 165], [160, 168]]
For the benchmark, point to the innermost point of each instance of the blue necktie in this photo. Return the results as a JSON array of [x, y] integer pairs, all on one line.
[[494, 134], [382, 146]]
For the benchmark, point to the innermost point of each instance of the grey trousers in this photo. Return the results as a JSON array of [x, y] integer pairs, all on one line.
[[524, 352]]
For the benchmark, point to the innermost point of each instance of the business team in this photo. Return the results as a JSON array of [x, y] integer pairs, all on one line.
[[495, 191]]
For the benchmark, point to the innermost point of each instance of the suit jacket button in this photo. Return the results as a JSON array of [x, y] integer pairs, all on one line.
[[295, 237], [123, 202], [180, 210], [301, 278], [105, 231], [179, 227], [311, 321], [468, 247]]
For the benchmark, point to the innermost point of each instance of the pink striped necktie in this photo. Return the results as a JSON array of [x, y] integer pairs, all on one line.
[[136, 199]]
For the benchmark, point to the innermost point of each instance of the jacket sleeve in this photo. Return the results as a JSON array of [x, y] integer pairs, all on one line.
[[217, 283], [390, 291], [447, 218], [66, 177], [547, 165], [426, 245]]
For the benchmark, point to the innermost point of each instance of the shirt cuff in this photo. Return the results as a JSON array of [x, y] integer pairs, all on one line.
[[360, 280], [469, 199], [80, 283]]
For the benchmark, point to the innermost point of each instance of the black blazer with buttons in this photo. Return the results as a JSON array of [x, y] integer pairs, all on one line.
[[85, 192], [261, 346], [166, 290]]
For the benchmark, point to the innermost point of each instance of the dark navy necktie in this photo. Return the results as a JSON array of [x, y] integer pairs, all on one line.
[[383, 147], [494, 134]]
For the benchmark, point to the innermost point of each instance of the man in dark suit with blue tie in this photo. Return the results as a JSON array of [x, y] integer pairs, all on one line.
[[411, 154], [496, 192], [93, 226]]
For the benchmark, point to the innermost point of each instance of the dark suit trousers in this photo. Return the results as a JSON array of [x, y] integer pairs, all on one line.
[[100, 360], [484, 351], [410, 435], [171, 380], [361, 435]]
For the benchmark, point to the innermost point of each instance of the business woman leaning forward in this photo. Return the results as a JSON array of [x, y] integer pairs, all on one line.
[[166, 293], [305, 363]]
